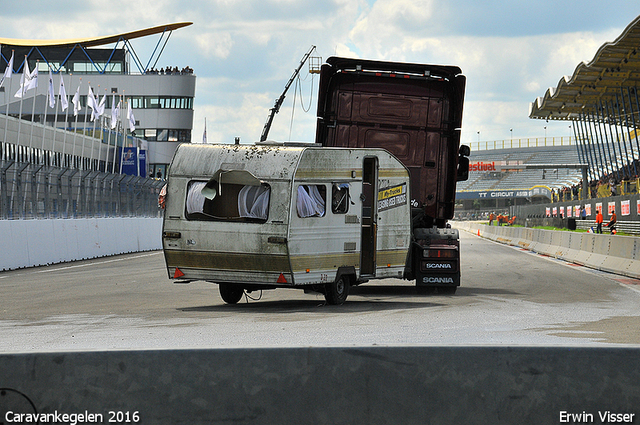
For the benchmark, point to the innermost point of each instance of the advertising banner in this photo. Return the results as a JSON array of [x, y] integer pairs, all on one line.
[[130, 161], [625, 207], [142, 161]]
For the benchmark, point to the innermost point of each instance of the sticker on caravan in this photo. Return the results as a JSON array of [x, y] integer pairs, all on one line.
[[392, 197]]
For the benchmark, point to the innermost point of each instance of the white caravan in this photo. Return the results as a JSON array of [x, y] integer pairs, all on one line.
[[253, 217]]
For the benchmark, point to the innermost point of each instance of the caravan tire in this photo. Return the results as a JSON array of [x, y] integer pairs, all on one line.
[[231, 294], [337, 291]]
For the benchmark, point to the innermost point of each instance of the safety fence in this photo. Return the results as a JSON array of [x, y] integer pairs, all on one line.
[[29, 191]]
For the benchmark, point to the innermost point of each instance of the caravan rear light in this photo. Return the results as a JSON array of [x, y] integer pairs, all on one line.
[[281, 279], [178, 273]]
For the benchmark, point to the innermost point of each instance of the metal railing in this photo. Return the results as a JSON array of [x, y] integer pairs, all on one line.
[[29, 191], [522, 143]]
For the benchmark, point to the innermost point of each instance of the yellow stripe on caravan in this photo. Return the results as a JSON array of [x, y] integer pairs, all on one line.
[[392, 172], [347, 174], [327, 174], [396, 257], [300, 263], [227, 261]]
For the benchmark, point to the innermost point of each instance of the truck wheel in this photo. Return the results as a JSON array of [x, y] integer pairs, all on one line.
[[336, 292], [231, 294]]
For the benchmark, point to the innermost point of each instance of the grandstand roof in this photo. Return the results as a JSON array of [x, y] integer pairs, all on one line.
[[94, 41], [615, 67]]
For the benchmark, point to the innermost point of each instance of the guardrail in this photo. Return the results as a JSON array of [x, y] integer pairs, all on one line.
[[629, 227], [531, 142], [611, 253]]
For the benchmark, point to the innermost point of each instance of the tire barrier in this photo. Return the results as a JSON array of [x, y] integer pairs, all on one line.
[[334, 385], [28, 243], [610, 253]]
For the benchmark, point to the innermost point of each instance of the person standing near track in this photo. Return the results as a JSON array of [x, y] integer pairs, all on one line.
[[612, 222], [599, 220]]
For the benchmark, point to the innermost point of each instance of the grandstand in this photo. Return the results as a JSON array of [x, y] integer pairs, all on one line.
[[505, 179]]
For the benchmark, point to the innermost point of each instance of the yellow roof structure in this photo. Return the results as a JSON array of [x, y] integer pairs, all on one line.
[[94, 41], [614, 69]]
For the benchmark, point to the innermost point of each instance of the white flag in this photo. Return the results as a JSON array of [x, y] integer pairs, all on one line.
[[8, 71], [32, 80], [26, 75], [76, 102], [101, 105], [63, 95], [51, 95], [131, 118], [115, 113], [92, 103]]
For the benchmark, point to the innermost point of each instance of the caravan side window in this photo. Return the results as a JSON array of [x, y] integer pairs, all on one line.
[[340, 198], [227, 202], [311, 200]]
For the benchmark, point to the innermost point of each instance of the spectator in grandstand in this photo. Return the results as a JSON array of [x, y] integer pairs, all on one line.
[[599, 220], [612, 185]]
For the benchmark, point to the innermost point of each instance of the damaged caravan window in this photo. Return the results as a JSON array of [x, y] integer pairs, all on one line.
[[213, 200], [311, 200], [340, 198]]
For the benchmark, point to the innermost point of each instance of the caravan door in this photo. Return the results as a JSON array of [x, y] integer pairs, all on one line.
[[369, 217]]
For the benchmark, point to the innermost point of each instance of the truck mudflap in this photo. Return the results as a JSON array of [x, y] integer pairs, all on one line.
[[436, 257]]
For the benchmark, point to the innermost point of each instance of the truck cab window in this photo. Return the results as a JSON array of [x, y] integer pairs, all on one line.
[[227, 201], [340, 198], [311, 200]]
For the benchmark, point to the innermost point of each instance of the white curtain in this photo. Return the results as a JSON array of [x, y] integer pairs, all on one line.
[[253, 202], [309, 202], [195, 200]]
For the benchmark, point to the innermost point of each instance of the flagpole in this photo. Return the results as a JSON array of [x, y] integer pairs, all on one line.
[[47, 104], [84, 127], [66, 117], [55, 125], [33, 109], [22, 83], [75, 125], [93, 133], [101, 135], [124, 135], [115, 150], [106, 161], [6, 119]]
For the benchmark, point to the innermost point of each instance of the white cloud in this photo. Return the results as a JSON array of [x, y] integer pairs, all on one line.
[[244, 51]]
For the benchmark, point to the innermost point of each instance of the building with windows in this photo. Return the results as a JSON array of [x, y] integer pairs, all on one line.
[[161, 100]]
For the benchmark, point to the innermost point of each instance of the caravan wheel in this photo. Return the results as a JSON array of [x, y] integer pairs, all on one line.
[[336, 292], [231, 294]]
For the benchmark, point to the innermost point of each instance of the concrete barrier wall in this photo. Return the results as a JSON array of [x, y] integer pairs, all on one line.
[[365, 385], [611, 253], [27, 243]]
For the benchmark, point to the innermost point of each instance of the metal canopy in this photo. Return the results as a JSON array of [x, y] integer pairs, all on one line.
[[41, 47], [94, 41], [613, 73]]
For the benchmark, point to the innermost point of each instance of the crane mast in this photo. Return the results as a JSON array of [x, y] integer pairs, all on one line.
[[280, 100]]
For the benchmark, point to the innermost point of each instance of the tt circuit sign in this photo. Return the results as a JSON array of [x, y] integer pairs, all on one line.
[[503, 194]]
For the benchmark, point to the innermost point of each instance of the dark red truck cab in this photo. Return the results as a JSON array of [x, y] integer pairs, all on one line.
[[413, 111]]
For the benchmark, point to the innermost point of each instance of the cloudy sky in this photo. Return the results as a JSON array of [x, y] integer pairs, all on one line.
[[244, 51]]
